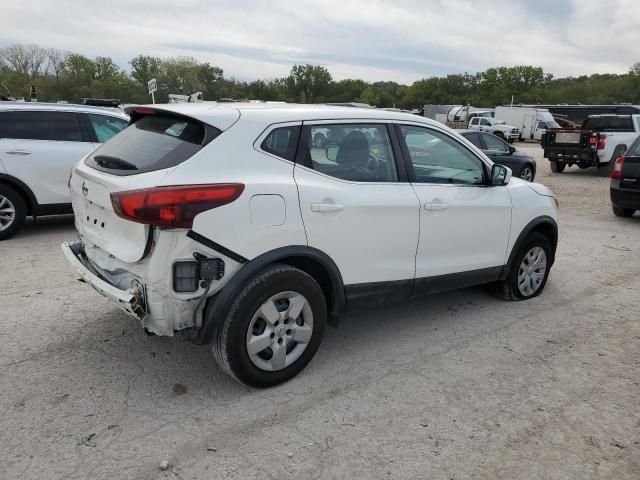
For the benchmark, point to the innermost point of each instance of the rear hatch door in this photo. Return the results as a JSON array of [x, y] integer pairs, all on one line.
[[141, 156]]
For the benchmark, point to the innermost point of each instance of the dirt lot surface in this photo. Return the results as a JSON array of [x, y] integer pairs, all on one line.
[[453, 386]]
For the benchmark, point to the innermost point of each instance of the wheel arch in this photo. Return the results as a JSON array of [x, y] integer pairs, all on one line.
[[23, 190], [545, 225], [312, 261]]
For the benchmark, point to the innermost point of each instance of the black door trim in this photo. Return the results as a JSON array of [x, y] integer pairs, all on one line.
[[366, 295], [454, 281], [376, 294]]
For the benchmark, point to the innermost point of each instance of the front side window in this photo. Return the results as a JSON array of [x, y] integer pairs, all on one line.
[[34, 125], [105, 126], [354, 152], [495, 144], [484, 121], [437, 158], [282, 142], [542, 126]]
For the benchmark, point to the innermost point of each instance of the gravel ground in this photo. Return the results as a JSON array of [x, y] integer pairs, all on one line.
[[454, 386]]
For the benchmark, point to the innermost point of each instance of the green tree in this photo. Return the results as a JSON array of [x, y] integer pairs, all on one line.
[[309, 82], [144, 68]]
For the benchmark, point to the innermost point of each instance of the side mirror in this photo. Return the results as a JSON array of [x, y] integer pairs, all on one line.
[[500, 175], [512, 149]]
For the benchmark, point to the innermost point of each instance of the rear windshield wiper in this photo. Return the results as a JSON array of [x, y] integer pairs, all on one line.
[[114, 163]]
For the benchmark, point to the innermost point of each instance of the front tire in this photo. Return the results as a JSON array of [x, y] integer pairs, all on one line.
[[500, 134], [527, 173], [623, 212], [273, 329], [13, 212], [557, 166], [529, 272]]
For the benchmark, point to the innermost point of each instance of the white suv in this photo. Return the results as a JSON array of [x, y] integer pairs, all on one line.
[[39, 144], [497, 127], [228, 225]]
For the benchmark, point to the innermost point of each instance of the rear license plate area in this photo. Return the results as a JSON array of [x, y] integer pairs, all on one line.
[[568, 137]]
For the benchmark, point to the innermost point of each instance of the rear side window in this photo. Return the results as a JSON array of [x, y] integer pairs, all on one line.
[[614, 124], [32, 125], [353, 152], [154, 142], [5, 119], [475, 139], [282, 142], [106, 127]]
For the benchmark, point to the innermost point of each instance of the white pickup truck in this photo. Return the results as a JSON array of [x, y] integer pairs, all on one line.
[[599, 142], [497, 127]]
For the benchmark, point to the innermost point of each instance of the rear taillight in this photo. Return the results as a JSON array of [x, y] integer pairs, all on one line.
[[617, 169], [174, 206], [601, 141]]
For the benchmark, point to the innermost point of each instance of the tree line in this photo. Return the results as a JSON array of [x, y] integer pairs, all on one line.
[[63, 75]]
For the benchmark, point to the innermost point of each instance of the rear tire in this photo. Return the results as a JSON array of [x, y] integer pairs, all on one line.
[[13, 212], [260, 343], [529, 271], [623, 212], [557, 166]]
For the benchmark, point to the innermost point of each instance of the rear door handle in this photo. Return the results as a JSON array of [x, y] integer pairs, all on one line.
[[435, 206], [326, 207], [18, 152]]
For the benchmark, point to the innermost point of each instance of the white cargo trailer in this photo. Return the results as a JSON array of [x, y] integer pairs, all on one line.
[[532, 122]]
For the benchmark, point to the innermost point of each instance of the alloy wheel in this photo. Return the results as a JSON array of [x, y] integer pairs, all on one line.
[[7, 213], [526, 174]]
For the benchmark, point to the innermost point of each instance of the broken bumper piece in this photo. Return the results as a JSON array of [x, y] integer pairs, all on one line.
[[132, 300]]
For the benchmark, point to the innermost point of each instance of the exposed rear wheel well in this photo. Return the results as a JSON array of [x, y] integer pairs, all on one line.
[[21, 191], [318, 272]]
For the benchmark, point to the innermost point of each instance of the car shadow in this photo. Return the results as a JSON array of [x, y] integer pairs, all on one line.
[[44, 226], [167, 361]]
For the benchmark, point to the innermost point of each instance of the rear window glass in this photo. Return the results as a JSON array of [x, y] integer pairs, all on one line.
[[106, 127], [614, 124], [33, 125], [152, 143], [282, 142]]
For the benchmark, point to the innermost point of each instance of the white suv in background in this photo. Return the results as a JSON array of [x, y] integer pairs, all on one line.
[[497, 127], [229, 225], [39, 144]]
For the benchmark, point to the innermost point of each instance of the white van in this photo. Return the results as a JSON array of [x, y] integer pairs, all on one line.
[[532, 122]]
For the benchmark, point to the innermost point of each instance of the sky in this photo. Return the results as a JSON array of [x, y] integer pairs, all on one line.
[[399, 40]]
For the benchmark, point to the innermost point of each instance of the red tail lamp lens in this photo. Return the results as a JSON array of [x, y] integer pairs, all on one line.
[[174, 206]]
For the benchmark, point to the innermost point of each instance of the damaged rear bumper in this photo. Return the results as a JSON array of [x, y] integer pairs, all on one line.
[[132, 300]]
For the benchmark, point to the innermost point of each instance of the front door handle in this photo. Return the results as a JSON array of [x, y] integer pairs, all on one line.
[[326, 207], [436, 205], [18, 152]]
